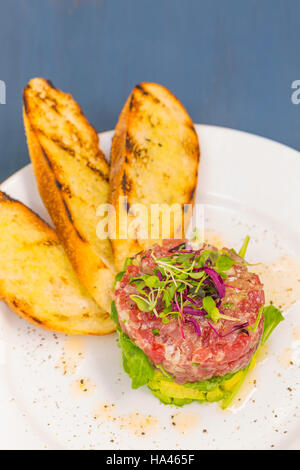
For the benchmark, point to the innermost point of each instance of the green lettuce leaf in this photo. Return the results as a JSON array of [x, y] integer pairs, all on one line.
[[273, 317], [114, 314], [135, 362]]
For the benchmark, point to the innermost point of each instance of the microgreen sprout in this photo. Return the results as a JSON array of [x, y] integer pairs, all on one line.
[[213, 312], [242, 252]]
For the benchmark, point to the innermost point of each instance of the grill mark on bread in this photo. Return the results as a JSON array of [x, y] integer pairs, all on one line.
[[99, 172], [149, 94], [50, 243], [50, 84], [68, 212], [20, 306], [25, 100], [190, 125], [63, 146], [34, 319], [47, 158], [129, 143], [63, 187], [72, 221], [56, 141], [133, 147], [131, 102], [52, 103], [74, 154], [45, 243], [124, 182], [48, 100], [126, 186], [58, 184], [192, 194], [127, 208], [141, 88]]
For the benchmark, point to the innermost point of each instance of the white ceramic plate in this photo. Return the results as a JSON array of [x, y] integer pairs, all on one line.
[[249, 185]]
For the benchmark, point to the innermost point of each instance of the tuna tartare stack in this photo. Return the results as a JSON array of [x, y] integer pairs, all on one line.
[[190, 321]]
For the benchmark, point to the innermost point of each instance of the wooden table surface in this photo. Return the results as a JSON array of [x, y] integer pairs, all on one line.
[[231, 62]]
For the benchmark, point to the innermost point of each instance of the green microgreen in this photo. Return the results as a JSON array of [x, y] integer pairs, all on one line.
[[143, 304], [242, 252], [255, 326], [213, 312]]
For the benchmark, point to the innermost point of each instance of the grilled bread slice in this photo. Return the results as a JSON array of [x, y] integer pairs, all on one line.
[[73, 180], [154, 160], [37, 279]]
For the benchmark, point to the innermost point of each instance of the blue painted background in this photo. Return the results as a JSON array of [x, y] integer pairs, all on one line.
[[231, 62]]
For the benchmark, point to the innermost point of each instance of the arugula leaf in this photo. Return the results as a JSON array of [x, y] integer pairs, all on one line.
[[119, 276], [242, 252], [169, 294], [207, 255], [142, 304], [210, 307], [135, 362], [139, 284], [151, 281], [114, 313], [224, 263], [273, 317], [197, 275]]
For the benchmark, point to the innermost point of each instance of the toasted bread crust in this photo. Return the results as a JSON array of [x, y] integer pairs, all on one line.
[[36, 277], [72, 177], [154, 160]]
